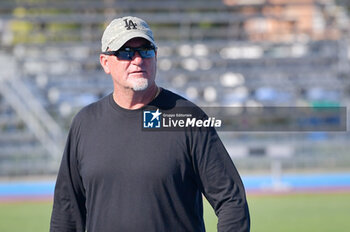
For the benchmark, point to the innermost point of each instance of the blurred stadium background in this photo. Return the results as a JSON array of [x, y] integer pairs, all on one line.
[[215, 53]]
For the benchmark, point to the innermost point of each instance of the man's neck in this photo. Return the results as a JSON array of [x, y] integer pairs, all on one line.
[[130, 99]]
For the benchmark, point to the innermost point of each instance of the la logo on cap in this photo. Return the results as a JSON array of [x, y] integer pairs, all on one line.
[[129, 24]]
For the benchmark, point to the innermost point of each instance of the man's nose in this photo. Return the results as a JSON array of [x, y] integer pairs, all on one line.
[[137, 58]]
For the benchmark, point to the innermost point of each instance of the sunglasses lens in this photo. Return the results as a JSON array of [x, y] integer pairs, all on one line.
[[125, 55], [147, 52]]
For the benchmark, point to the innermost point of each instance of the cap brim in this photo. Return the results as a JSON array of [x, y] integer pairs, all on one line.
[[115, 45]]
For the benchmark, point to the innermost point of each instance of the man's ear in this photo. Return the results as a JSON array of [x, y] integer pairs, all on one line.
[[104, 63]]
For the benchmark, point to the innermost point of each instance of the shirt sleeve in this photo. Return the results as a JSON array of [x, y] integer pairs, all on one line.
[[69, 212], [220, 182]]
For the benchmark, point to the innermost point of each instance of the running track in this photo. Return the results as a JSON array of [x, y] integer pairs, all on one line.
[[254, 184]]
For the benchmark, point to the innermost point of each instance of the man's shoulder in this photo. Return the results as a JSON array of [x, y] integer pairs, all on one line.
[[92, 110], [176, 103], [169, 98]]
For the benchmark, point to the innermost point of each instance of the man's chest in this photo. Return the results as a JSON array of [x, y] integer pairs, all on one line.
[[150, 159]]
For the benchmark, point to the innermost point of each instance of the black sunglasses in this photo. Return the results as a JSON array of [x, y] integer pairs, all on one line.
[[127, 53]]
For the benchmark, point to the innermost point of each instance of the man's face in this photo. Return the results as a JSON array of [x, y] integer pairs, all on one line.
[[137, 74]]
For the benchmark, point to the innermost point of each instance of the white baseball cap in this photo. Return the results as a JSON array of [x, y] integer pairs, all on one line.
[[121, 30]]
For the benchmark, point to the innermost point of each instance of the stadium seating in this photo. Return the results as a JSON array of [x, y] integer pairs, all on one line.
[[205, 53]]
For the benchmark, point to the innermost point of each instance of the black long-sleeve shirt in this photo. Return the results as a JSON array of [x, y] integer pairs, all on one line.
[[114, 176]]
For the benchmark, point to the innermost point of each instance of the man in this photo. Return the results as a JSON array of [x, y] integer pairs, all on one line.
[[115, 176]]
